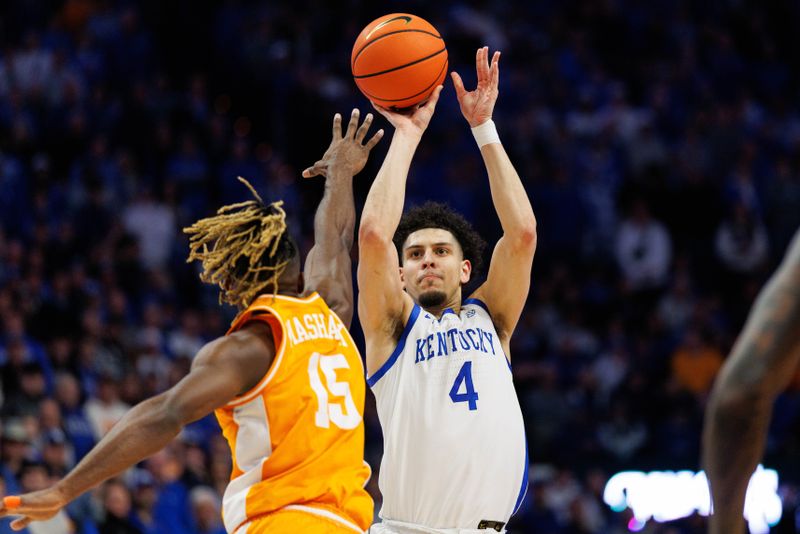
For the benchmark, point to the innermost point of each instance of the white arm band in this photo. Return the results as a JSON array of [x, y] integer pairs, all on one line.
[[486, 133]]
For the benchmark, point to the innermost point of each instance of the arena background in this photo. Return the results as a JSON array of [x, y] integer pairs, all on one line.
[[659, 143]]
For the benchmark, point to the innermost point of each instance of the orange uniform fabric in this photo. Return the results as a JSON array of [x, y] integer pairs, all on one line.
[[297, 438], [296, 521]]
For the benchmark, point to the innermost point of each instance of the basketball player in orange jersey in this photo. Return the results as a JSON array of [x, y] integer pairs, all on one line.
[[763, 362], [286, 383]]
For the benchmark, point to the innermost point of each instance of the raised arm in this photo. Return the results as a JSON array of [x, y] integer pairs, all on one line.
[[221, 370], [328, 268], [508, 281], [762, 363], [382, 301]]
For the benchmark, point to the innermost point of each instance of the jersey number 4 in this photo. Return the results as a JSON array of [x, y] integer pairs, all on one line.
[[327, 412], [470, 395]]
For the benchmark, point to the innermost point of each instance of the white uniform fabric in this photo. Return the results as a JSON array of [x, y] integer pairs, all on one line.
[[454, 449]]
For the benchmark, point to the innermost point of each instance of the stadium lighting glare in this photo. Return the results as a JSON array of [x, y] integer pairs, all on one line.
[[669, 495]]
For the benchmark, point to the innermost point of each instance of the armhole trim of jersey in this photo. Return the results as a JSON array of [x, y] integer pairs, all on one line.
[[276, 362], [479, 302], [346, 331], [401, 345]]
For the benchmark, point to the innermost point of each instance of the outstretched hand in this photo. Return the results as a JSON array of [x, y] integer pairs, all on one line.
[[414, 121], [346, 154], [36, 506], [477, 105]]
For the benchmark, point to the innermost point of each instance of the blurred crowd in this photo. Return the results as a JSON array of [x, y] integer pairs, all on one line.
[[659, 142]]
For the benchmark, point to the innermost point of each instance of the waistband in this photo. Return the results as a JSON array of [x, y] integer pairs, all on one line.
[[392, 526], [313, 510]]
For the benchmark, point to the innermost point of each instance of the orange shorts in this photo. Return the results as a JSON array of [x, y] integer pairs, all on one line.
[[295, 519]]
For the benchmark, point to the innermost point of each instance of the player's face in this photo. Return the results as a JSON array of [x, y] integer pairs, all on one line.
[[433, 267]]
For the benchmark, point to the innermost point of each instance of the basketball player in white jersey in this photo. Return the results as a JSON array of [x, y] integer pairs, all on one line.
[[455, 458]]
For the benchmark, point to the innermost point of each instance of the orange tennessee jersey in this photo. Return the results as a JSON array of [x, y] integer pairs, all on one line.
[[297, 438]]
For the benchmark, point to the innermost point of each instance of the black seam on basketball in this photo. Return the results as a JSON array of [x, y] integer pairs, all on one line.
[[420, 60], [444, 68], [353, 63]]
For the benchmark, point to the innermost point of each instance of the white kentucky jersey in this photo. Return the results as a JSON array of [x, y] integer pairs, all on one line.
[[454, 449]]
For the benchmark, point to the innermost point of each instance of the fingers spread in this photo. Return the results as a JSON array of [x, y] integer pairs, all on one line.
[[458, 83], [482, 64], [374, 141], [352, 126], [337, 126], [364, 128], [495, 69]]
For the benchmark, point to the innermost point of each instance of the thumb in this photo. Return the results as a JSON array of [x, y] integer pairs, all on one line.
[[434, 98], [458, 84], [19, 524]]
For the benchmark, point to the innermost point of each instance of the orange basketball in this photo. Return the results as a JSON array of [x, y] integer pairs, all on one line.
[[398, 60]]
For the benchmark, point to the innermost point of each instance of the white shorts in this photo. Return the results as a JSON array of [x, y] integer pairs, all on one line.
[[388, 526]]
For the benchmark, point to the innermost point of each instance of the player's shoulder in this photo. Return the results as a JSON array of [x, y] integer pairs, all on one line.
[[476, 306]]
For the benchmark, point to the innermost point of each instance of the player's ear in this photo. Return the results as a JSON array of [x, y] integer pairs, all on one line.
[[466, 271], [402, 278]]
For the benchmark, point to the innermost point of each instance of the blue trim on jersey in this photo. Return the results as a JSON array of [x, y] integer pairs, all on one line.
[[401, 344], [478, 302], [445, 312], [524, 489]]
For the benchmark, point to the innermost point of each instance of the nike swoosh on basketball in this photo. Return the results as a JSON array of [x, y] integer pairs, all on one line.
[[385, 22]]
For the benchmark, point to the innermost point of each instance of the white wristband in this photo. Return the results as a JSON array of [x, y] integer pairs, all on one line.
[[486, 133]]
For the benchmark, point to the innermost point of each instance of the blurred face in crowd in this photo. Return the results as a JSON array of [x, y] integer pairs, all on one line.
[[33, 384], [49, 414], [117, 500], [54, 454], [34, 478], [68, 392]]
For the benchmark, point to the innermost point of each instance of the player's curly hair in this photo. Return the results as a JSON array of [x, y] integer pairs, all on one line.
[[243, 248], [438, 215]]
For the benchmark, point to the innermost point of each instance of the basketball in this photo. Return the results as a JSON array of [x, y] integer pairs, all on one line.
[[398, 60]]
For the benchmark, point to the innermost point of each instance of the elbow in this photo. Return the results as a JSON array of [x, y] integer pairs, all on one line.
[[528, 231], [525, 237], [371, 234]]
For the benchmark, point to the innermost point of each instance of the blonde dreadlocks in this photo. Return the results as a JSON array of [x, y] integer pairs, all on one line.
[[239, 236]]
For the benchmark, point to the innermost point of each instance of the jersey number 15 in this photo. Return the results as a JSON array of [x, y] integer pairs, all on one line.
[[327, 412]]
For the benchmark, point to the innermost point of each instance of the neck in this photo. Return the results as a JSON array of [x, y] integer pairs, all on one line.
[[454, 303], [289, 291], [283, 289]]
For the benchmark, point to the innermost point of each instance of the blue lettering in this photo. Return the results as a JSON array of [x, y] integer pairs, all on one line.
[[463, 339], [490, 337], [420, 346], [475, 345], [429, 341], [442, 338], [480, 340], [452, 335]]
